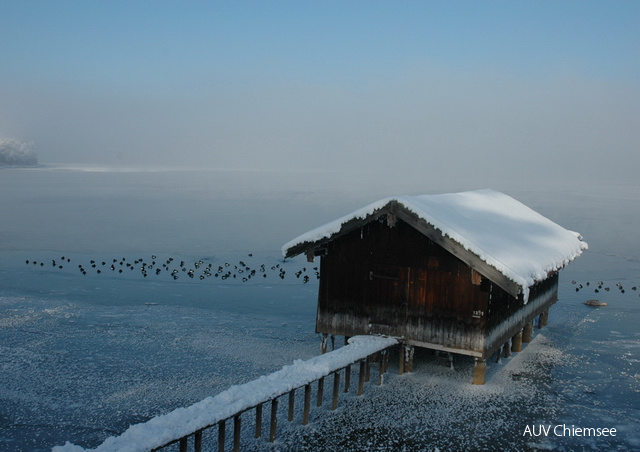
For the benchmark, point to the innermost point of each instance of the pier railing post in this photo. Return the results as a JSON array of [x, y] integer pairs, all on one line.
[[347, 378], [292, 398], [336, 390], [320, 391], [221, 435], [361, 376], [307, 404], [237, 426], [367, 369], [258, 421], [274, 420]]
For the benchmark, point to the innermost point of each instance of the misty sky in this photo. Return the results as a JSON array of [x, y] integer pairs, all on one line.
[[427, 87]]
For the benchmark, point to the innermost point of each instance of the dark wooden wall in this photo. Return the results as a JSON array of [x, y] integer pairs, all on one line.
[[394, 280]]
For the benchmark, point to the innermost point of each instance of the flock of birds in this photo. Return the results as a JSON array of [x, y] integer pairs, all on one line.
[[600, 286], [176, 269]]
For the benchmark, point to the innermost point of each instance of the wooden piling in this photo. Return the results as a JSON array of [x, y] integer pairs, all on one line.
[[361, 377], [527, 332], [274, 420], [292, 399], [237, 426], [323, 347], [258, 421], [307, 404], [320, 391], [544, 318], [384, 360], [367, 369], [347, 378], [516, 342], [221, 435], [336, 390], [506, 349], [479, 371], [197, 441], [401, 363], [409, 352], [184, 444]]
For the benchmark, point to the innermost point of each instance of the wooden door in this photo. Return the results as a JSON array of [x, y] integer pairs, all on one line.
[[387, 291]]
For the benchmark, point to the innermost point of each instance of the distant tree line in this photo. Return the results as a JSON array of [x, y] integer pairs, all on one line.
[[13, 152]]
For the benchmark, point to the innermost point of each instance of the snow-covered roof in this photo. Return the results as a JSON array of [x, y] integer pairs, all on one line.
[[503, 233]]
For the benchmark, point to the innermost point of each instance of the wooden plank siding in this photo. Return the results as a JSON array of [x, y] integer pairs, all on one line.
[[393, 280]]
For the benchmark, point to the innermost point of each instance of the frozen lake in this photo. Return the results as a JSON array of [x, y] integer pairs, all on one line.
[[85, 355]]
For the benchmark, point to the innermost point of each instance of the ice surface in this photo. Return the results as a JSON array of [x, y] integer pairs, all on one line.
[[84, 357]]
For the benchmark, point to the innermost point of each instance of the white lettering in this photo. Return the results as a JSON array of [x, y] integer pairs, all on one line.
[[563, 430]]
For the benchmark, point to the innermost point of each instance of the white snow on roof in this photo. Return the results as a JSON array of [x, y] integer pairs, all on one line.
[[520, 243]]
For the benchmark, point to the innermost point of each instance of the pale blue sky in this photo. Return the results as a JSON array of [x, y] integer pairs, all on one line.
[[474, 85]]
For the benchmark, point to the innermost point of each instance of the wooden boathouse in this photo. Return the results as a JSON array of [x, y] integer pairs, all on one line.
[[465, 273]]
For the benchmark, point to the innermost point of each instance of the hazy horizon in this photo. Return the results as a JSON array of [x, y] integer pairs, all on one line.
[[434, 89]]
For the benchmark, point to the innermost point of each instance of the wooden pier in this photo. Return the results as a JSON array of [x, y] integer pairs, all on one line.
[[192, 427]]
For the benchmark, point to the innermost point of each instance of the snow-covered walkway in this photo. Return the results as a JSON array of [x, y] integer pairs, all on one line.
[[184, 421]]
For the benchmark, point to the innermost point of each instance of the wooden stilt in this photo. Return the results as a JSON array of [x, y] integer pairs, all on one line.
[[336, 390], [361, 376], [527, 332], [221, 435], [274, 420], [347, 378], [479, 371], [506, 349], [292, 399], [197, 441], [516, 342], [184, 444], [401, 363], [323, 347], [237, 426], [408, 351], [367, 369], [320, 391], [258, 421], [384, 359], [544, 318], [307, 404], [333, 342]]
